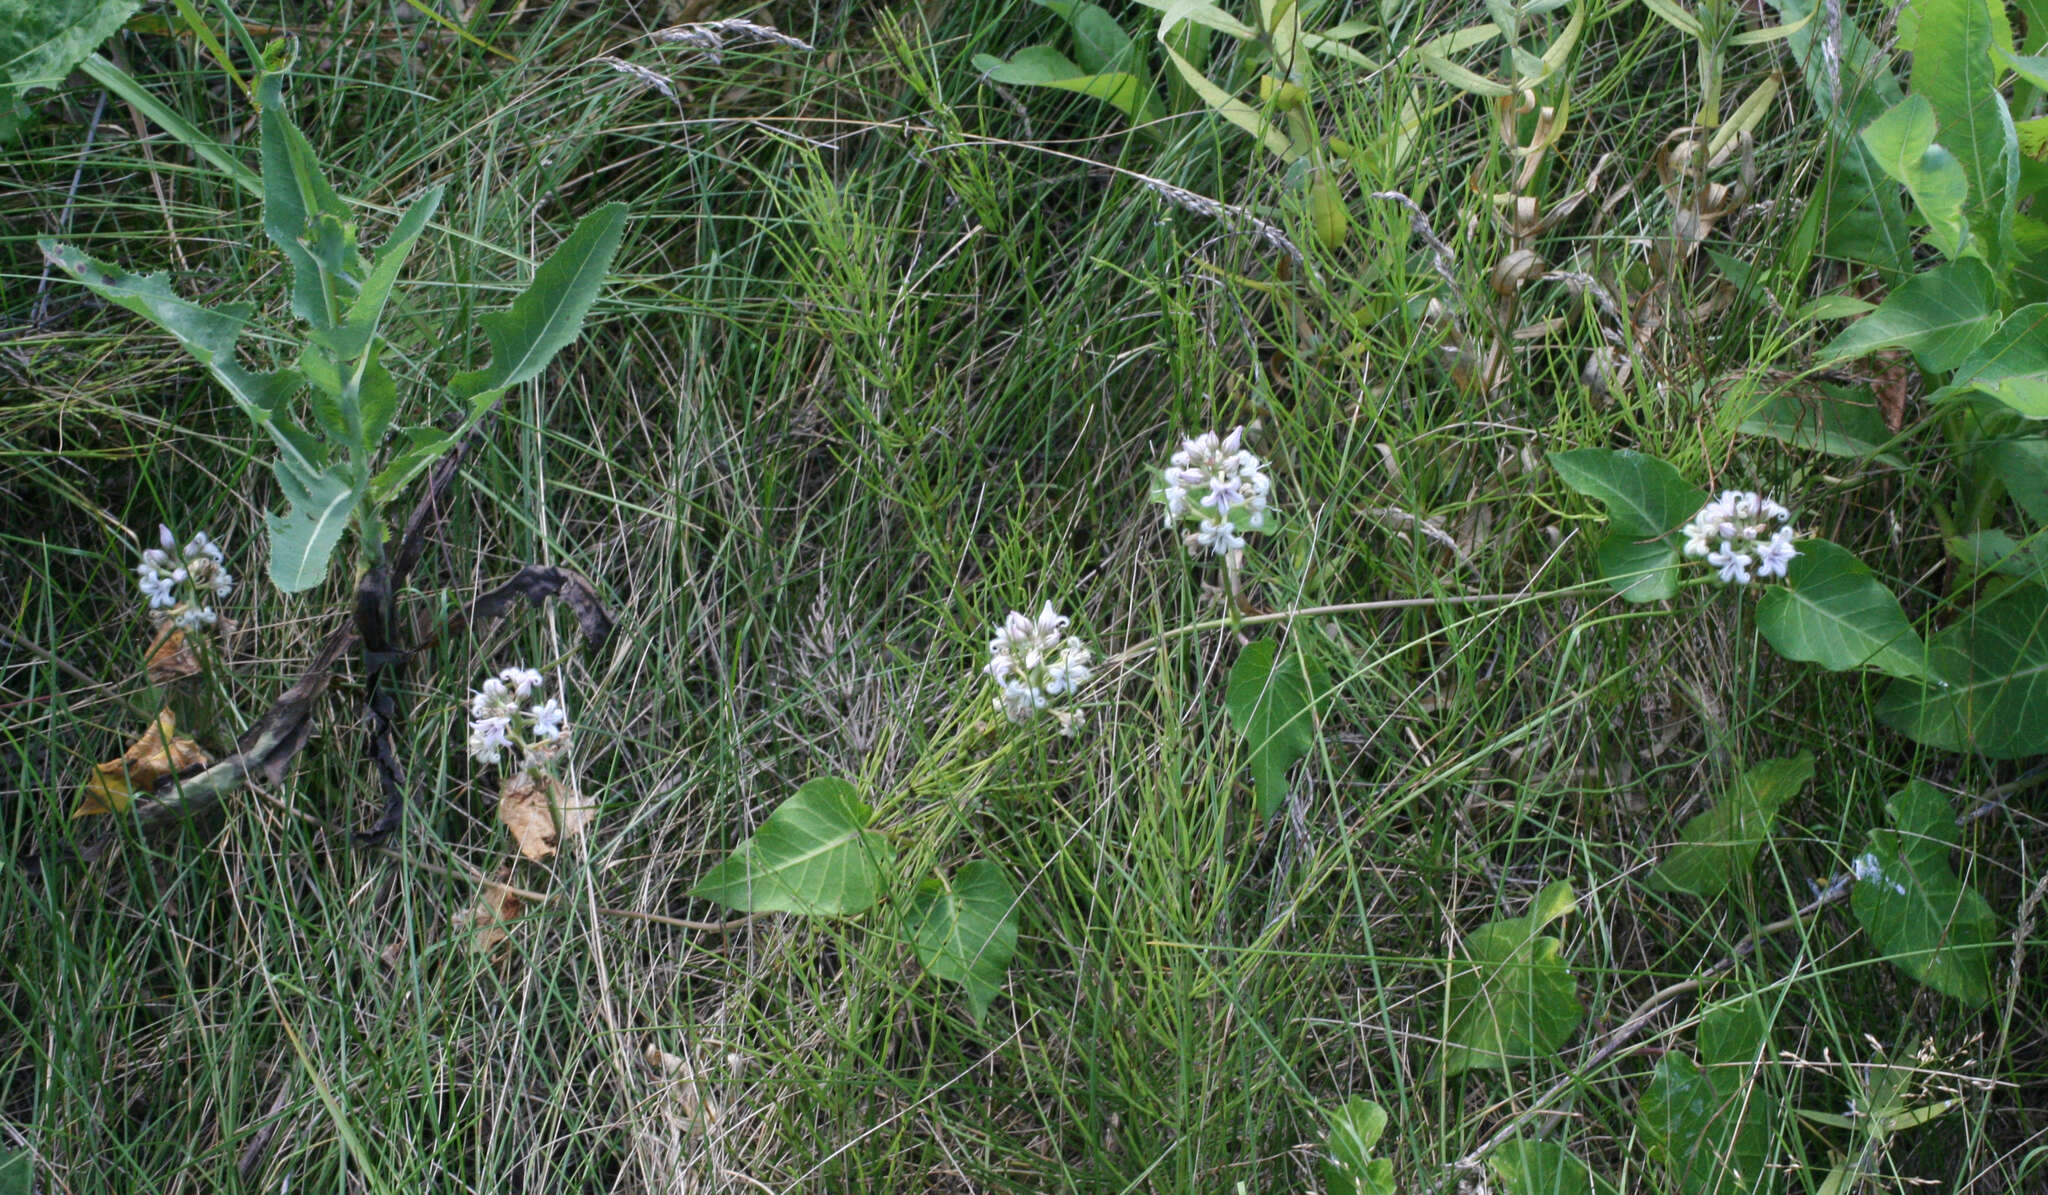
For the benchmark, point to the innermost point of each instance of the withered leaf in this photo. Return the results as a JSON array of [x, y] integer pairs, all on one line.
[[152, 758], [170, 657], [484, 921], [542, 812]]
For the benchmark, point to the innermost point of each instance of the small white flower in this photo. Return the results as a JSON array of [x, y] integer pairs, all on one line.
[[550, 720], [1226, 493], [1734, 565], [489, 738], [1050, 626], [1217, 535], [169, 541], [523, 681], [1775, 553], [493, 700], [202, 546], [158, 589]]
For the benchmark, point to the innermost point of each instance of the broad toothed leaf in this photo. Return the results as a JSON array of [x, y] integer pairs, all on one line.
[[548, 317], [303, 538]]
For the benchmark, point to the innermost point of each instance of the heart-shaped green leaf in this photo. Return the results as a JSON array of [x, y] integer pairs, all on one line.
[[964, 928], [1915, 908], [814, 855], [1717, 848], [1511, 999], [1833, 611]]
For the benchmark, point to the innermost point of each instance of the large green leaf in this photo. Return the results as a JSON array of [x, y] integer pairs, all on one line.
[[1939, 316], [1099, 42], [1646, 500], [1043, 66], [303, 539], [1850, 83], [1839, 422], [1955, 74], [208, 334], [1717, 848], [814, 855], [1271, 701], [1994, 700], [304, 218], [2012, 366], [1350, 1168], [1902, 144], [1533, 1166], [1915, 908], [964, 929], [41, 40], [1711, 1125], [549, 315], [1511, 1000], [2023, 466], [1833, 611]]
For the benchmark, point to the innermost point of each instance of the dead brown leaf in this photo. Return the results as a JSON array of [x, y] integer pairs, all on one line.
[[485, 920], [169, 657], [152, 758], [542, 812]]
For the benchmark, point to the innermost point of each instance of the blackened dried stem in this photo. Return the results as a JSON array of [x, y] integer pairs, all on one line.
[[268, 747]]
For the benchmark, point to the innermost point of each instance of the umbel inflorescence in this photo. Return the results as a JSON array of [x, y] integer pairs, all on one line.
[[1743, 535], [186, 582], [498, 723], [1033, 661], [1217, 491]]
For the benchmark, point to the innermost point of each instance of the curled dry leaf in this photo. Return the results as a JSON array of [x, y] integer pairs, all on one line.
[[542, 812], [485, 921], [676, 1077], [170, 657], [150, 760]]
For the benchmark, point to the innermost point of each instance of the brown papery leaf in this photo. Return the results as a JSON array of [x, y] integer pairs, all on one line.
[[485, 920], [542, 812], [169, 657], [151, 759]]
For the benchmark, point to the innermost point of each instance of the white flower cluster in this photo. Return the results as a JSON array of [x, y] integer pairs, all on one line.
[[498, 723], [1735, 533], [1033, 661], [1217, 487], [185, 581]]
